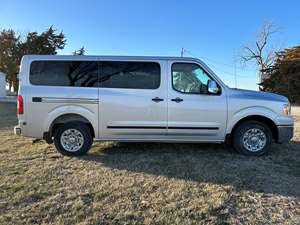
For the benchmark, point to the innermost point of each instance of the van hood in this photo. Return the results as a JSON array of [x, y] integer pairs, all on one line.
[[259, 95]]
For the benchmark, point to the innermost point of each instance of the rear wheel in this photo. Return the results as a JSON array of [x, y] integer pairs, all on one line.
[[73, 139], [252, 138]]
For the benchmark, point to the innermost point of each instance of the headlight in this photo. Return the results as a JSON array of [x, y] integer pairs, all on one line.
[[287, 109]]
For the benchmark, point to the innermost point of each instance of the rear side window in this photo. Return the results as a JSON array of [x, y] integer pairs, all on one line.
[[64, 73], [132, 75]]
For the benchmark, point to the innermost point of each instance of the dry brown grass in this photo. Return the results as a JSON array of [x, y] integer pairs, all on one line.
[[145, 183]]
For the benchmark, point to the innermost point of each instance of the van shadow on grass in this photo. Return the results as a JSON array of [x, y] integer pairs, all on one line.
[[276, 173]]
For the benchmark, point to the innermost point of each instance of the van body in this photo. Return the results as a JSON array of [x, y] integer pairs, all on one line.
[[73, 100]]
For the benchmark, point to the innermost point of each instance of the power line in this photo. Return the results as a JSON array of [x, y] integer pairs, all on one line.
[[215, 62], [227, 73], [212, 60]]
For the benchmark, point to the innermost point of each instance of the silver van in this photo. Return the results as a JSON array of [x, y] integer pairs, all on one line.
[[73, 100]]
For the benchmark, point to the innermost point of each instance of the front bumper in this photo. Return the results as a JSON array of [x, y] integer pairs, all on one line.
[[285, 133]]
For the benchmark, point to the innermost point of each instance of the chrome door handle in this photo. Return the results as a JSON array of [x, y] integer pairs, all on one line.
[[157, 99], [177, 100]]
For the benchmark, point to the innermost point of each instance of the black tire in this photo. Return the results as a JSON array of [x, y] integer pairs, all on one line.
[[238, 142], [86, 135]]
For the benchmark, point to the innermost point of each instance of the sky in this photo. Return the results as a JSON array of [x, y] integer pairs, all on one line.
[[213, 31]]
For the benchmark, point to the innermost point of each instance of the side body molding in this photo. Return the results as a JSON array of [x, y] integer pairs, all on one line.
[[72, 109], [250, 111]]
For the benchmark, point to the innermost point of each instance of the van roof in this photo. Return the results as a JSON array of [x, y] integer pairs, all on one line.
[[110, 57]]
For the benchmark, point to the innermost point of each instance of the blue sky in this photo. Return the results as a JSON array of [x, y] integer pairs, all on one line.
[[211, 30]]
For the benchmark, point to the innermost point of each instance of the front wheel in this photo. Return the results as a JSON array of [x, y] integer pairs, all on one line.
[[73, 139], [252, 138]]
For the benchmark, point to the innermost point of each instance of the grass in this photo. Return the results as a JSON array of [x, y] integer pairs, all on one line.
[[140, 183]]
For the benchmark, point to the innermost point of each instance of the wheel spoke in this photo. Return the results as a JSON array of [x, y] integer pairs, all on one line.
[[72, 140], [254, 139]]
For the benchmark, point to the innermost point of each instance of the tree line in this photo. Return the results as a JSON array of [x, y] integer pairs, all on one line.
[[279, 70], [14, 46]]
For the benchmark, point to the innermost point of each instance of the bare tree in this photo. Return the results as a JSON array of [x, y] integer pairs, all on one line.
[[262, 53]]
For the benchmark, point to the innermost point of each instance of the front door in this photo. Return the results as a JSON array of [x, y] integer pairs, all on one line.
[[132, 100], [193, 113]]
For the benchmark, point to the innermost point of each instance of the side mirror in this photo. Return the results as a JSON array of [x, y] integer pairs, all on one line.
[[212, 87]]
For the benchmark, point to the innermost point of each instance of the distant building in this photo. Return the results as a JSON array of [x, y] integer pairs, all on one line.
[[2, 85]]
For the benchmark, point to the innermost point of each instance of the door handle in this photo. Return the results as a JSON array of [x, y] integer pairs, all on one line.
[[177, 100], [157, 99]]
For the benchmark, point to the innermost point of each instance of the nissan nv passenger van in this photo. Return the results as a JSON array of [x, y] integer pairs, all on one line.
[[72, 100]]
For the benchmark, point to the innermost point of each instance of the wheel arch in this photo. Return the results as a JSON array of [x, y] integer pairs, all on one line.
[[70, 113], [70, 117], [262, 119]]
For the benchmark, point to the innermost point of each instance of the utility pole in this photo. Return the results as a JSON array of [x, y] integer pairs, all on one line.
[[235, 58], [182, 52], [235, 78]]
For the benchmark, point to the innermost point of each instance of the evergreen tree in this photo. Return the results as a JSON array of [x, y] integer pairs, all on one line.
[[10, 56], [13, 47], [284, 75]]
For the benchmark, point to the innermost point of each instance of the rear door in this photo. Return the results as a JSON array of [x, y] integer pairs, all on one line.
[[193, 113], [132, 99]]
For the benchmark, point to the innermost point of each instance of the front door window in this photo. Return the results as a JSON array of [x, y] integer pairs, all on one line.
[[189, 78]]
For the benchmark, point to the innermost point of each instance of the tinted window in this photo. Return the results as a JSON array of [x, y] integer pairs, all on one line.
[[189, 78], [64, 73], [134, 75]]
